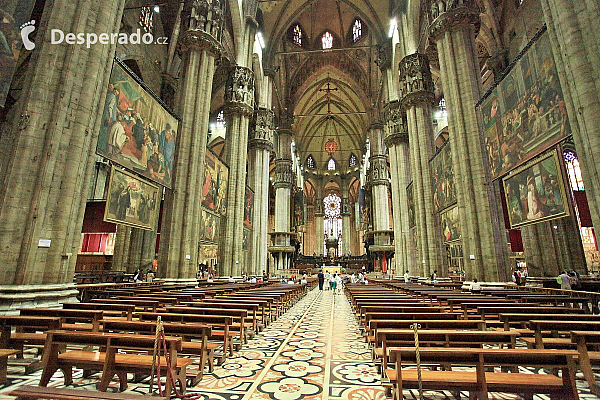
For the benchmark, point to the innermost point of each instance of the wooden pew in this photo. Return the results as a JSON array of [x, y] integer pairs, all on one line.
[[509, 320], [110, 309], [539, 326], [111, 362], [587, 358], [223, 323], [201, 348], [83, 319], [486, 312], [237, 314], [27, 392], [479, 383], [140, 305]]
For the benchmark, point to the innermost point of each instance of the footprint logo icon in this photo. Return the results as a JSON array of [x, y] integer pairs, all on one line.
[[26, 29]]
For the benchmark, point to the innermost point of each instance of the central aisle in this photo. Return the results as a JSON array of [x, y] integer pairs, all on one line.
[[313, 351]]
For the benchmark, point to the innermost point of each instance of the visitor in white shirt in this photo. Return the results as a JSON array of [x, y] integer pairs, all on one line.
[[475, 285], [406, 277]]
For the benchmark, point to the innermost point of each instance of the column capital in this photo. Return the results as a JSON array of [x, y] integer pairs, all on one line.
[[449, 14], [262, 135], [239, 91], [376, 125], [203, 20], [384, 55], [318, 207], [345, 206], [379, 171], [416, 83], [196, 39], [396, 131], [283, 174]]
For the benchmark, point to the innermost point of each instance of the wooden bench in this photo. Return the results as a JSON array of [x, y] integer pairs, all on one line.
[[555, 327], [111, 361], [587, 358], [237, 314], [70, 319], [4, 354], [521, 321], [27, 392], [479, 382], [202, 348], [110, 309], [140, 305]]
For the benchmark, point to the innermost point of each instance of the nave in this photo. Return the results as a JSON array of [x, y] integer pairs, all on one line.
[[315, 350]]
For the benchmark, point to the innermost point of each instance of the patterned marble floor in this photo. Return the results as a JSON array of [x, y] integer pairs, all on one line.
[[313, 351]]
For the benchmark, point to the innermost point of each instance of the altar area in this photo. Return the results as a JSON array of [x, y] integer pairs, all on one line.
[[332, 269]]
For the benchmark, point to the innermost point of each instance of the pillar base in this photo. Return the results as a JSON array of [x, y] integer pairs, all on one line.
[[14, 297]]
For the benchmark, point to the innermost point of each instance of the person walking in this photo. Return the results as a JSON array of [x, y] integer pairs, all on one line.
[[321, 277], [406, 277], [564, 280], [333, 282], [338, 284]]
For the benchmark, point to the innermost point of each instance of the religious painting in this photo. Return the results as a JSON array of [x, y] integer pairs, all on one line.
[[208, 251], [411, 206], [299, 217], [526, 113], [209, 229], [456, 251], [444, 192], [132, 201], [536, 192], [137, 131], [16, 29], [246, 240], [365, 215], [450, 224], [214, 188], [248, 207]]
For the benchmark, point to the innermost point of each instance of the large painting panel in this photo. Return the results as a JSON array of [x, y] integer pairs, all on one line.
[[536, 192], [209, 229], [444, 192], [15, 16], [525, 114], [131, 200], [450, 225], [299, 217], [214, 188], [137, 131], [248, 207], [411, 206]]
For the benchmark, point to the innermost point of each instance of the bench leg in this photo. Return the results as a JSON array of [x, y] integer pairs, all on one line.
[[68, 374], [122, 380]]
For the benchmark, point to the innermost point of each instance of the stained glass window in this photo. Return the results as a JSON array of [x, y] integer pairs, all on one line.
[[574, 171], [352, 161], [331, 164], [220, 119], [310, 162], [297, 35], [356, 30], [147, 19], [332, 223], [327, 40]]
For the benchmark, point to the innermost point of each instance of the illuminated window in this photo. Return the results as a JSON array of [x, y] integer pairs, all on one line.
[[572, 164], [147, 19], [356, 30], [442, 105], [310, 162], [220, 120], [331, 164], [327, 40], [332, 223], [297, 35], [352, 162]]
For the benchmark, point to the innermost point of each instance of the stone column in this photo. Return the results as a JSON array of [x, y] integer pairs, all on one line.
[[136, 243], [396, 140], [200, 45], [260, 147], [416, 87], [120, 258], [319, 227], [47, 153], [281, 246], [239, 107], [572, 26], [345, 213], [453, 30], [379, 178]]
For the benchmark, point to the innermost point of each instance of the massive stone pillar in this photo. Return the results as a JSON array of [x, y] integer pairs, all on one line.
[[319, 227], [260, 147], [120, 259], [281, 245], [239, 107], [396, 140], [572, 26], [382, 235], [416, 86], [346, 242], [47, 147], [453, 30], [180, 232]]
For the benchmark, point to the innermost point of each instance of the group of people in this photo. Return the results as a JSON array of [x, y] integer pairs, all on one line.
[[141, 276], [569, 280], [334, 281]]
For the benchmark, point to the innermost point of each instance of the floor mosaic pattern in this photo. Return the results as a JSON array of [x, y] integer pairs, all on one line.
[[313, 351]]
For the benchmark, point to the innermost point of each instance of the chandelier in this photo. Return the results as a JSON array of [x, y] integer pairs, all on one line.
[[331, 146]]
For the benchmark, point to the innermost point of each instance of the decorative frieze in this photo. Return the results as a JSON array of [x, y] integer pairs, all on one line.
[[202, 25], [262, 135], [416, 83], [395, 128], [379, 170], [284, 177], [239, 90], [447, 14], [345, 206]]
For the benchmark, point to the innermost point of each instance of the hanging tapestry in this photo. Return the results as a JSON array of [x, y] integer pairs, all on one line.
[[214, 188], [450, 224], [444, 192]]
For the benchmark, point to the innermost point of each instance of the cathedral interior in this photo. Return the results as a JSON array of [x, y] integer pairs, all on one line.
[[182, 141]]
